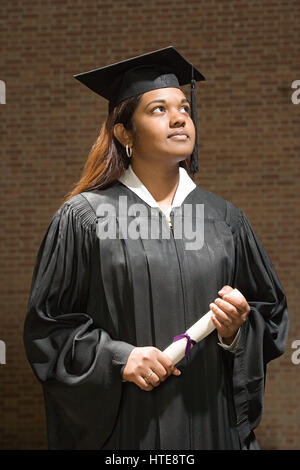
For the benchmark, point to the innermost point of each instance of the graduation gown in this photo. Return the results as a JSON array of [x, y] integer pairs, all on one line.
[[93, 299]]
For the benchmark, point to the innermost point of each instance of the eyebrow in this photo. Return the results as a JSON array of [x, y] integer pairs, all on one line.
[[184, 100]]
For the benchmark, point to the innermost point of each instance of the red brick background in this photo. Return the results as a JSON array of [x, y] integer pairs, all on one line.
[[249, 144]]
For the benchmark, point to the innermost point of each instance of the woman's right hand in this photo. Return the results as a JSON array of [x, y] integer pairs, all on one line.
[[147, 367]]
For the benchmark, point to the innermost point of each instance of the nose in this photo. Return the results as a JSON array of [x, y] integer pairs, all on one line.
[[177, 119]]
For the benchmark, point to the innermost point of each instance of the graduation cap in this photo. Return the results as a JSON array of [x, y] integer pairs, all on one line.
[[158, 69]]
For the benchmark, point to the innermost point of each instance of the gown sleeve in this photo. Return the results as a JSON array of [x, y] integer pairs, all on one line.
[[256, 278], [77, 362], [264, 334]]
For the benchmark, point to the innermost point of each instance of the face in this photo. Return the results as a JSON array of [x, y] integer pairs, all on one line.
[[164, 128]]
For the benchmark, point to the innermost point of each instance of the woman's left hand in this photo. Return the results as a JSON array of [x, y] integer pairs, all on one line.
[[230, 312]]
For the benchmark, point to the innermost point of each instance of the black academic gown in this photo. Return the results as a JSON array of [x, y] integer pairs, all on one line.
[[93, 299]]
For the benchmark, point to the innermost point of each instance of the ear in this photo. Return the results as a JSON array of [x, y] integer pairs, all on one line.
[[122, 135]]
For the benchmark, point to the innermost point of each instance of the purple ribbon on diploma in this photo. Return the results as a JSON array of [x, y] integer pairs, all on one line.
[[189, 343]]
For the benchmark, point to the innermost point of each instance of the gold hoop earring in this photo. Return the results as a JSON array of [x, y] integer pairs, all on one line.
[[128, 151]]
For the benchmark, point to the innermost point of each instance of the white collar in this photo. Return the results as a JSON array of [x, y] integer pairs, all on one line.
[[185, 186]]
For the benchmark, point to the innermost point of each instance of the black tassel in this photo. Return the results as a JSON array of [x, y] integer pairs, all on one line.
[[194, 156]]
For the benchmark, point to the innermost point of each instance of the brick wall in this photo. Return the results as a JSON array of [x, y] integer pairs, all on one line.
[[248, 151]]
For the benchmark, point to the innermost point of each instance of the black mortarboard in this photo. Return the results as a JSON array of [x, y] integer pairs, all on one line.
[[158, 69]]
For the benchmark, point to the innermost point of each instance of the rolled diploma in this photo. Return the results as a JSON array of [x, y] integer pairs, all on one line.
[[197, 332]]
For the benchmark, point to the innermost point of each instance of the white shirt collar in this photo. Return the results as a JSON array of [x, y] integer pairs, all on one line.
[[185, 186]]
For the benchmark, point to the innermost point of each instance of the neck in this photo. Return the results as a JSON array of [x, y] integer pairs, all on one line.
[[160, 180]]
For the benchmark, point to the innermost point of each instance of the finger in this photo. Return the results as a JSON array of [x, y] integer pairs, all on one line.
[[218, 325], [236, 298], [220, 315], [166, 362], [228, 308], [243, 308], [143, 384], [239, 304], [153, 379], [244, 317], [163, 373], [225, 290], [160, 371]]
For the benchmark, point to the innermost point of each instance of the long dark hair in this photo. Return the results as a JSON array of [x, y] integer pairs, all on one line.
[[107, 159]]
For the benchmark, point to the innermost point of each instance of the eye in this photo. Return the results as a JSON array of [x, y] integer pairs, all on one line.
[[187, 108], [157, 107]]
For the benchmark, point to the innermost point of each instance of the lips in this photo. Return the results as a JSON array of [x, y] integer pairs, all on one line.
[[178, 134]]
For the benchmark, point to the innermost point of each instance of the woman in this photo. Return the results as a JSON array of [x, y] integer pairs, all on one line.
[[114, 284]]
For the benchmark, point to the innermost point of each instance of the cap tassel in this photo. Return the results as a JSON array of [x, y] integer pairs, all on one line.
[[194, 157]]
